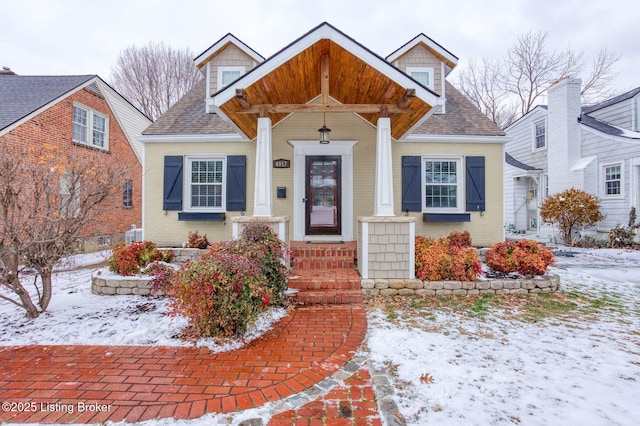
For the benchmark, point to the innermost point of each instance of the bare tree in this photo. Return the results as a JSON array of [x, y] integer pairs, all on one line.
[[483, 84], [526, 72], [155, 76], [46, 200]]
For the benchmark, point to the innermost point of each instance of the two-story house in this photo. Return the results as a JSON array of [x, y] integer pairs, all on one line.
[[83, 117], [326, 141], [562, 145]]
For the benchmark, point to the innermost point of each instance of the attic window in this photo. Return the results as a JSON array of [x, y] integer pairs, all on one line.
[[227, 75], [423, 75]]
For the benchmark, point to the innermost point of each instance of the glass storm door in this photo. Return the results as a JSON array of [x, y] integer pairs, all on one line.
[[322, 196]]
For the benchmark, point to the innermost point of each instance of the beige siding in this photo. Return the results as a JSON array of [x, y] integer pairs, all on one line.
[[344, 126], [167, 230], [231, 56], [485, 229]]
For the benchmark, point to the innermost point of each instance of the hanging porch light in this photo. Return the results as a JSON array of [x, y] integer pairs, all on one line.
[[324, 131]]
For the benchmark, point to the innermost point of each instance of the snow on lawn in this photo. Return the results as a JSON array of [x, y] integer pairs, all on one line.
[[448, 366], [578, 368], [76, 316]]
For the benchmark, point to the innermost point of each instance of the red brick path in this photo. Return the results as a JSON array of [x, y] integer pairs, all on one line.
[[142, 382], [351, 404]]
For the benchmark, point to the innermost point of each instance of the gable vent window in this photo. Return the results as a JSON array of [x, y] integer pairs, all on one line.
[[423, 75], [227, 75]]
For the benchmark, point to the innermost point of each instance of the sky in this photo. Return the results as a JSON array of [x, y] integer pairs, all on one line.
[[73, 37]]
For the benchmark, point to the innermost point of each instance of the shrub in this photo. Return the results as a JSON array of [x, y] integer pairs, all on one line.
[[451, 258], [525, 257], [569, 209], [195, 240], [258, 242], [624, 236], [220, 294], [162, 274], [131, 259]]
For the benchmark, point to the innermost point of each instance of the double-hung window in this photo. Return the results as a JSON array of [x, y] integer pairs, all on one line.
[[613, 180], [227, 75], [205, 183], [423, 75], [539, 135], [442, 177], [90, 127]]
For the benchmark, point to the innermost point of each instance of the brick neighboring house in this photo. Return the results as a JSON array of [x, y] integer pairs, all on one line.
[[83, 116]]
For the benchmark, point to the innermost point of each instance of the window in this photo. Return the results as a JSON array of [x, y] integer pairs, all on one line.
[[69, 195], [546, 186], [613, 180], [539, 134], [227, 75], [127, 193], [443, 180], [205, 183], [637, 128], [423, 75], [85, 119]]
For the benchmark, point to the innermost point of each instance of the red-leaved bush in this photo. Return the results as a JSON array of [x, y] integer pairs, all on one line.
[[132, 259], [525, 257], [195, 240], [451, 258], [222, 293]]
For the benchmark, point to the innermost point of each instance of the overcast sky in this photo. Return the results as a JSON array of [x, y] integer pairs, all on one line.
[[56, 37]]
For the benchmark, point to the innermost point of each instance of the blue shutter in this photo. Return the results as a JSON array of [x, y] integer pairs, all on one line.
[[411, 183], [172, 192], [236, 183], [475, 184]]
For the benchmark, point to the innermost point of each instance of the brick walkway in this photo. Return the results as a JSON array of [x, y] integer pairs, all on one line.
[[141, 382], [351, 404]]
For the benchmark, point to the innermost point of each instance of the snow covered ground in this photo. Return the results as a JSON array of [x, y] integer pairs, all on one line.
[[450, 365]]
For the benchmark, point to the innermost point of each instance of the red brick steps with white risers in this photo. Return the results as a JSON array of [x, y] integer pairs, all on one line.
[[325, 273]]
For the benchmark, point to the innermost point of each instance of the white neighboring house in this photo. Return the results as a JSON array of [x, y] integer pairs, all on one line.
[[552, 148]]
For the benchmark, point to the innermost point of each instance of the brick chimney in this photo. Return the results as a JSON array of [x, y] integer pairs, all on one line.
[[563, 134], [6, 71]]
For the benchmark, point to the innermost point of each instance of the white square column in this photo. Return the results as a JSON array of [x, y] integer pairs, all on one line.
[[384, 170], [262, 203]]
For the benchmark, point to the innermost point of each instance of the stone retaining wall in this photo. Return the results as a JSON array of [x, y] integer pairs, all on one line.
[[112, 284], [398, 287]]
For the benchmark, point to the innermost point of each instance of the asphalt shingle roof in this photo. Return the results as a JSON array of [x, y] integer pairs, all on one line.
[[508, 158], [22, 95], [188, 117]]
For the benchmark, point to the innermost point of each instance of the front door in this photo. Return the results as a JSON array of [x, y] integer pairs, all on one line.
[[323, 195]]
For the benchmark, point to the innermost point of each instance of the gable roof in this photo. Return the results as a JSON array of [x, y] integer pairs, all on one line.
[[623, 97], [20, 96], [219, 45], [287, 78], [538, 108], [440, 52]]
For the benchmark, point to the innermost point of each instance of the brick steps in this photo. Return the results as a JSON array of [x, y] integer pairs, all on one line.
[[325, 273]]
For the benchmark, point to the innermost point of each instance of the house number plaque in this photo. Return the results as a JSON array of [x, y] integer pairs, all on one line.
[[281, 164]]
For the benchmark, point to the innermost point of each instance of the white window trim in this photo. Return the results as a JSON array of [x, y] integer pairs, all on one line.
[[636, 114], [90, 114], [534, 148], [221, 71], [428, 70], [603, 181], [187, 182], [460, 184]]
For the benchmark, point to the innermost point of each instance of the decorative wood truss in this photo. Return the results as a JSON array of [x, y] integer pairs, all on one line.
[[336, 80]]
